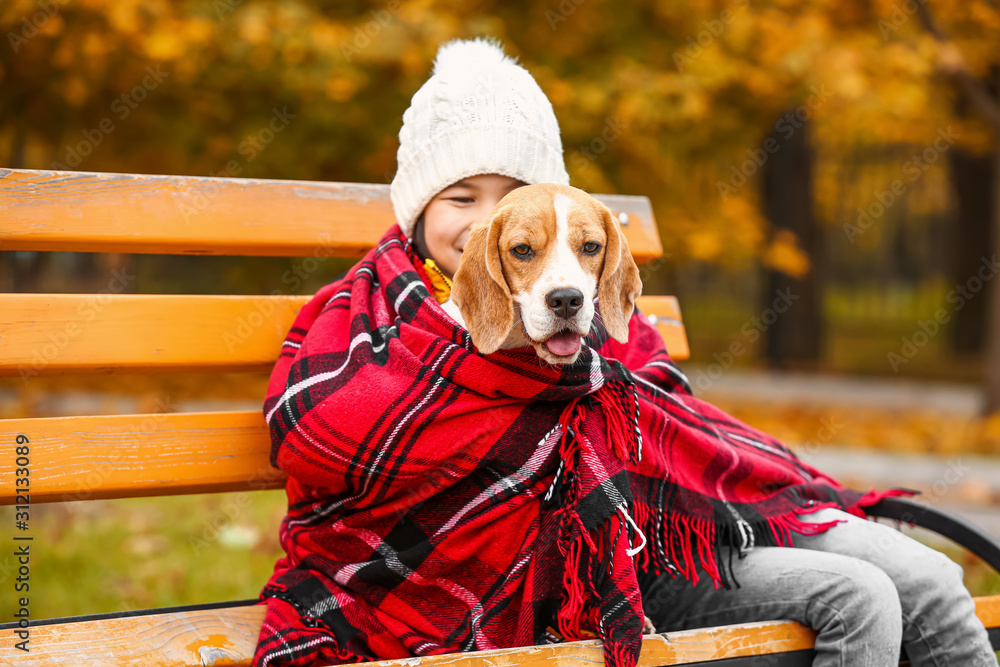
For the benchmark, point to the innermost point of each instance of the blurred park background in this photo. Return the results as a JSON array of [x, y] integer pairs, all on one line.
[[839, 157]]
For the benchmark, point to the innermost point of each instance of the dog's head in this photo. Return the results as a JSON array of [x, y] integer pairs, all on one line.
[[531, 270]]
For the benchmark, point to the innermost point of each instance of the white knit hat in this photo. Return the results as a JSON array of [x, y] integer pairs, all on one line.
[[479, 113]]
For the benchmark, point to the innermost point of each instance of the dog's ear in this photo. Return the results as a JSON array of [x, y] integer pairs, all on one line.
[[480, 290], [620, 284]]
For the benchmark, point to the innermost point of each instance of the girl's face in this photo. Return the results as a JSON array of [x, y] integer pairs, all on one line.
[[450, 215]]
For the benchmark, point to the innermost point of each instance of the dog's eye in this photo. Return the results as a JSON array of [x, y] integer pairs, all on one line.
[[591, 247], [522, 251]]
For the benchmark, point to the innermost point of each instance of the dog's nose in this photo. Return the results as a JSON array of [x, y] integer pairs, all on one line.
[[565, 302]]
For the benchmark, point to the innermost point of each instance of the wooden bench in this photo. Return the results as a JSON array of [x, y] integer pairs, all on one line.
[[116, 456]]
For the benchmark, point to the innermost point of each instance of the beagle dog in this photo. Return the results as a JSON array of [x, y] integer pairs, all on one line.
[[532, 271]]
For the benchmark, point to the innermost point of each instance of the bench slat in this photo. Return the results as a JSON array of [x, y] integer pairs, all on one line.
[[665, 313], [671, 648], [225, 636], [110, 333], [229, 636], [99, 212], [117, 456], [988, 610], [126, 456]]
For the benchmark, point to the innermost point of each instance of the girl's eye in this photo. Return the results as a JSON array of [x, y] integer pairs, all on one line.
[[591, 247], [463, 200], [523, 251]]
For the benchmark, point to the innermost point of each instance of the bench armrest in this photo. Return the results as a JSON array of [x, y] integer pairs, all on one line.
[[946, 524]]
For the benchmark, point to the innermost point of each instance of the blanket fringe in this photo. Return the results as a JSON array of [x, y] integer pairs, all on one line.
[[680, 544], [621, 421], [685, 546], [579, 606], [621, 655], [572, 533], [571, 612], [589, 555]]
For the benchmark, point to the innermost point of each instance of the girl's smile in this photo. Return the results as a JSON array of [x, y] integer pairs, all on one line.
[[450, 215]]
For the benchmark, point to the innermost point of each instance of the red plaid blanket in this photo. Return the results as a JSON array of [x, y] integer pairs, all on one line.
[[440, 500]]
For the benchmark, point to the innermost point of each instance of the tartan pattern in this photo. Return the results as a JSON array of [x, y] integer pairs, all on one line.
[[440, 500]]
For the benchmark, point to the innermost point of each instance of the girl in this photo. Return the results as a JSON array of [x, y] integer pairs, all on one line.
[[442, 500]]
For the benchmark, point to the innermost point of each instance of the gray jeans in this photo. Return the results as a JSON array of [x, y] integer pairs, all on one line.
[[864, 587]]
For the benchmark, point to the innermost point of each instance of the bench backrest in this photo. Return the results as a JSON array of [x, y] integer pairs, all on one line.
[[45, 334]]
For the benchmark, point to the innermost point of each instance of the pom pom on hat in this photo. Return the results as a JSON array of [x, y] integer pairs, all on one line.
[[479, 113], [478, 53]]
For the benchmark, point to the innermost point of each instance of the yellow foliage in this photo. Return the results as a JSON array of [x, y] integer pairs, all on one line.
[[75, 91], [52, 27], [744, 223], [325, 35], [293, 53], [165, 44], [11, 12], [198, 30], [124, 16], [558, 91], [783, 254], [413, 62], [591, 98], [93, 46], [762, 84], [220, 146], [65, 54], [985, 15], [253, 28], [904, 60], [261, 56], [340, 89], [704, 245]]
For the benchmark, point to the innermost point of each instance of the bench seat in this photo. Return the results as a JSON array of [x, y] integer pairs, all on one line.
[[228, 636]]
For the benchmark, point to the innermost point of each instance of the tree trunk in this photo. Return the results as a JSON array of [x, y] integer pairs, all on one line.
[[794, 337], [972, 179], [992, 370]]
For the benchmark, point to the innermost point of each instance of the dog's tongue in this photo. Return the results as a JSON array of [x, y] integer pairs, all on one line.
[[563, 343]]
